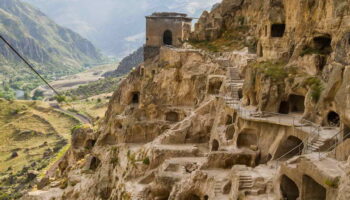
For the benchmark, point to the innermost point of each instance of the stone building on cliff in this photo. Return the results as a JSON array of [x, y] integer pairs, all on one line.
[[166, 29]]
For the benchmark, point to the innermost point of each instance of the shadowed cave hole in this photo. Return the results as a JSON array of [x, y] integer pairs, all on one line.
[[287, 146], [230, 131], [229, 120], [247, 140], [227, 188], [289, 189], [135, 97], [206, 197], [323, 44], [214, 87], [333, 119], [215, 145], [294, 104], [277, 30], [95, 162], [168, 37], [312, 189], [172, 116]]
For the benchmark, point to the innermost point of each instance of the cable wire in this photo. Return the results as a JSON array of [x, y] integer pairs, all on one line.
[[29, 65]]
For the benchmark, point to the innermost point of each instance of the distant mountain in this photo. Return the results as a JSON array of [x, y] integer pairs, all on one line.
[[54, 50], [115, 26], [126, 65]]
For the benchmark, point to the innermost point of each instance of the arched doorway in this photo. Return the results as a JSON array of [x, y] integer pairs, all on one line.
[[289, 189], [168, 38], [289, 146]]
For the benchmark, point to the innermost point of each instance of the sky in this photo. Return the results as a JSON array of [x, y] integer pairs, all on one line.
[[114, 26]]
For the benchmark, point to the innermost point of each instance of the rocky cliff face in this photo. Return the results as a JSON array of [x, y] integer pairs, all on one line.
[[55, 49], [269, 121]]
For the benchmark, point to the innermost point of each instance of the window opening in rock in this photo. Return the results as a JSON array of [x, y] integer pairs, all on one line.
[[135, 97], [230, 131], [277, 30], [229, 120], [95, 162], [247, 140], [172, 117], [215, 145], [289, 189], [214, 87]]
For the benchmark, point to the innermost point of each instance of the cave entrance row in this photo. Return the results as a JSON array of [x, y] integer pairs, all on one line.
[[295, 104]]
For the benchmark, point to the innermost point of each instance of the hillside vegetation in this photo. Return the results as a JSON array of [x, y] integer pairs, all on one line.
[[55, 51], [31, 134]]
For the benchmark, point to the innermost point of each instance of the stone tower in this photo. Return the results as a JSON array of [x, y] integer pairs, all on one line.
[[165, 29]]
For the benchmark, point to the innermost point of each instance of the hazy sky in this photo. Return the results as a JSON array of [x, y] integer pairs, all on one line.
[[115, 26]]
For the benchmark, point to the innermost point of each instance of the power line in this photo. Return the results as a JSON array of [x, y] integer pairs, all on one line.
[[29, 65]]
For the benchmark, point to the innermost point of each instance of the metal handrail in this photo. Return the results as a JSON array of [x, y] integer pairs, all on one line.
[[334, 146]]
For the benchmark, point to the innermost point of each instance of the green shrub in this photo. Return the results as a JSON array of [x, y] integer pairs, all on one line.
[[61, 98], [332, 183], [76, 127], [273, 69], [146, 161], [316, 87]]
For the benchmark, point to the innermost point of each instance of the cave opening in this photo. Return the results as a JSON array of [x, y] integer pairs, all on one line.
[[230, 131], [277, 30], [135, 97], [333, 119], [296, 103], [323, 44], [214, 87], [284, 107], [94, 163], [206, 197], [312, 189], [240, 93], [172, 116], [227, 188], [289, 146], [229, 120], [289, 189], [215, 145], [247, 139]]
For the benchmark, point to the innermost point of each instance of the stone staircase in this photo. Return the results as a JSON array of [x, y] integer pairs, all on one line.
[[315, 145], [234, 84], [138, 196], [245, 182], [218, 187]]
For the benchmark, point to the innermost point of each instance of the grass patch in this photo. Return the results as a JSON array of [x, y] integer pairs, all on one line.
[[273, 69], [310, 51]]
